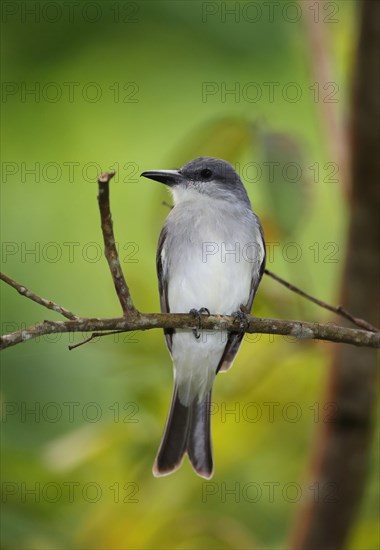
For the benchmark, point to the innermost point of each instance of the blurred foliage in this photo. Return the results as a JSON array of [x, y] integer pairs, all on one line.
[[100, 410]]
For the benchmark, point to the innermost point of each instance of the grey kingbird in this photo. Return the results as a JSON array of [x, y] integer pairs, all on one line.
[[210, 258]]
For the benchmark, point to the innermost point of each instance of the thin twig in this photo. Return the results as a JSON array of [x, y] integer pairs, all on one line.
[[294, 329], [93, 336], [339, 310], [21, 289], [110, 250]]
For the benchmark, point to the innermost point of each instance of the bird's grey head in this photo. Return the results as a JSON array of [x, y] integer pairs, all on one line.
[[204, 176]]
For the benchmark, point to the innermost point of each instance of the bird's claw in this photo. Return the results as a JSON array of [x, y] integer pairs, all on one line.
[[197, 313], [242, 318]]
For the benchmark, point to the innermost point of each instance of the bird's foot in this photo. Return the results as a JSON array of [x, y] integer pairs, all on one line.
[[241, 317], [197, 314]]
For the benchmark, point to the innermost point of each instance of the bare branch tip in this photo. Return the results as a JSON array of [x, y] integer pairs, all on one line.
[[105, 177]]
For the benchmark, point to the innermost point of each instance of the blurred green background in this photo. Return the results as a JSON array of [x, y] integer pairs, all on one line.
[[136, 86]]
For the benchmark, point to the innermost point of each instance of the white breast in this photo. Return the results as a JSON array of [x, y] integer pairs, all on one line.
[[211, 253]]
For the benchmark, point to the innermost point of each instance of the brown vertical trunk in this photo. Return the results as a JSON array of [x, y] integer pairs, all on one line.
[[342, 450]]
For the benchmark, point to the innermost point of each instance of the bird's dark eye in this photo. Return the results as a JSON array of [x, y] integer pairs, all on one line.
[[206, 174]]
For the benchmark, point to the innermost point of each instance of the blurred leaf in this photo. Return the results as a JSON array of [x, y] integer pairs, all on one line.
[[224, 138], [286, 186]]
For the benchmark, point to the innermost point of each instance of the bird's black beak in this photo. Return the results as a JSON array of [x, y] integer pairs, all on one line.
[[168, 177]]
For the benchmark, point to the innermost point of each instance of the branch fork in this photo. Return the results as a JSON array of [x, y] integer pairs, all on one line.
[[110, 250]]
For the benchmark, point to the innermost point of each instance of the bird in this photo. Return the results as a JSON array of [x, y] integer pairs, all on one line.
[[210, 260]]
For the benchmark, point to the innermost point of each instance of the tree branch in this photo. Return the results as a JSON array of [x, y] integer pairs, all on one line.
[[110, 251], [147, 321], [318, 42], [339, 310], [21, 289]]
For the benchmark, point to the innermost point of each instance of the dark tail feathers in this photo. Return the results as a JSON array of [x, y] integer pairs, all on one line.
[[187, 430]]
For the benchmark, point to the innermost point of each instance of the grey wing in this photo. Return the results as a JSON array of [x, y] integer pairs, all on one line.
[[163, 285], [235, 338]]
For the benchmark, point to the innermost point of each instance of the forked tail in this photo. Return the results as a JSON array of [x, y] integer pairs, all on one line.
[[188, 430]]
